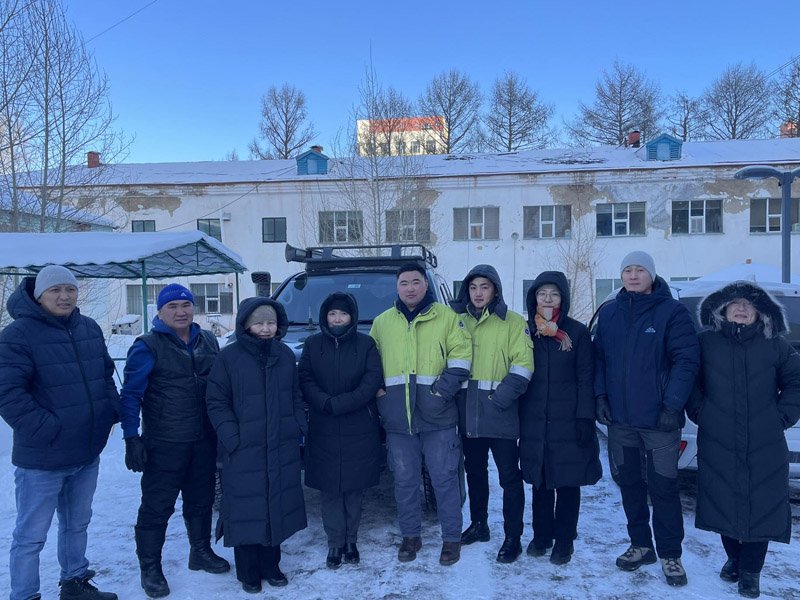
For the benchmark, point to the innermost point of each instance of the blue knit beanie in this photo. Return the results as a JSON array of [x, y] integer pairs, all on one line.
[[174, 292]]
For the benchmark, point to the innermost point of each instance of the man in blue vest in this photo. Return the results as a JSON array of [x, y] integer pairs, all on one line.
[[165, 379]]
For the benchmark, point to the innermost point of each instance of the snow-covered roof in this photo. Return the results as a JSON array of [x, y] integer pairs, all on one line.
[[598, 158], [120, 255]]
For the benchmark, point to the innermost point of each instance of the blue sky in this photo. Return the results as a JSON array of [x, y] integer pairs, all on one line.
[[187, 77]]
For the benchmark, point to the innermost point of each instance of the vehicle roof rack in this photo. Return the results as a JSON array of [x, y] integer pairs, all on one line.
[[319, 257]]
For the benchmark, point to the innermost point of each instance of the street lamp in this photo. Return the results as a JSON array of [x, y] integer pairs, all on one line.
[[785, 182]]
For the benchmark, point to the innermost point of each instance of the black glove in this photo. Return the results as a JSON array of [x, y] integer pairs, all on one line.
[[603, 410], [669, 419], [135, 454], [584, 428]]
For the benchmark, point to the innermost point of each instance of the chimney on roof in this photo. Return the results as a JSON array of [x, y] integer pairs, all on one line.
[[634, 139], [92, 159], [317, 148]]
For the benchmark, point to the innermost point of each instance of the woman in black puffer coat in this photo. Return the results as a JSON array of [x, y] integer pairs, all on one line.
[[558, 445], [254, 403], [340, 372], [747, 394]]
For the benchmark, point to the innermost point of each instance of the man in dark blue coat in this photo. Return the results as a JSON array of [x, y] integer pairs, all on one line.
[[58, 395], [646, 359], [165, 378]]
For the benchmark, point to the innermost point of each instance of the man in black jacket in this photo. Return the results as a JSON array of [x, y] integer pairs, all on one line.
[[57, 393], [165, 378]]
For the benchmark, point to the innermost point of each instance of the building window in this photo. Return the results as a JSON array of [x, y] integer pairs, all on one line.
[[400, 147], [142, 226], [546, 221], [273, 229], [480, 223], [408, 225], [765, 215], [430, 147], [134, 296], [621, 218], [212, 298], [416, 147], [340, 226], [210, 227], [527, 284], [603, 287], [697, 216]]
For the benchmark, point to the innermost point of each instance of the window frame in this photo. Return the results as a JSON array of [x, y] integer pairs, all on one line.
[[353, 220], [275, 230], [618, 219], [419, 231], [206, 226], [472, 223], [148, 225], [794, 215], [562, 214], [696, 224]]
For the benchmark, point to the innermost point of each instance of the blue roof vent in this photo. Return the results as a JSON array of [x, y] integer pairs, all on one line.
[[312, 162], [664, 147]]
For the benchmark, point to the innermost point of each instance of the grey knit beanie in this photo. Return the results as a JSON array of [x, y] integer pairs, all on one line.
[[641, 258], [52, 275], [261, 314]]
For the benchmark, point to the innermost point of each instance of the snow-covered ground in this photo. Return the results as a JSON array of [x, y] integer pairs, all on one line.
[[591, 574]]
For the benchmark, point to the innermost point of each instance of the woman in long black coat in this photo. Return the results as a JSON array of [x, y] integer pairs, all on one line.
[[748, 393], [558, 445], [340, 372], [254, 403]]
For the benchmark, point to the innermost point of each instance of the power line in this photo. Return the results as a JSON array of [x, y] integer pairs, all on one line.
[[121, 21]]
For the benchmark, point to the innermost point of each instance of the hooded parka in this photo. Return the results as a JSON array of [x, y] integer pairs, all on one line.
[[255, 405], [502, 363], [747, 394], [559, 393], [344, 372], [57, 389]]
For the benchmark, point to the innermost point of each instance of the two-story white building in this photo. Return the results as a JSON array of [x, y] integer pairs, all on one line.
[[575, 210]]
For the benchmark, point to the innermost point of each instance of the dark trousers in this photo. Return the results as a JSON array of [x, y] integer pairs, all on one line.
[[629, 446], [255, 562], [173, 468], [476, 464], [341, 515], [555, 514], [749, 555]]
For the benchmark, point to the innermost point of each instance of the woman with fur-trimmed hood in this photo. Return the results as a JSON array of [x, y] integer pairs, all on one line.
[[747, 394]]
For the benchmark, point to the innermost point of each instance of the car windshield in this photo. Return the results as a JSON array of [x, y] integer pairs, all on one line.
[[303, 295]]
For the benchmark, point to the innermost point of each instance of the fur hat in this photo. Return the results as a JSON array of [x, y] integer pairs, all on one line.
[[641, 258], [771, 313], [173, 292], [52, 275], [261, 314]]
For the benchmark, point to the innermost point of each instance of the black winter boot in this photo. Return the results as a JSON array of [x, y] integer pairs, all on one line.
[[201, 556], [148, 548], [478, 531], [510, 550], [81, 589], [272, 571], [749, 584], [730, 571]]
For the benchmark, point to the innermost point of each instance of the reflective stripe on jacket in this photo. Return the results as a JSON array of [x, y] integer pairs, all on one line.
[[424, 363]]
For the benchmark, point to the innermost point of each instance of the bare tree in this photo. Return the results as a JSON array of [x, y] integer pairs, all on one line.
[[685, 118], [455, 97], [734, 107], [516, 118], [625, 100], [284, 125], [787, 101]]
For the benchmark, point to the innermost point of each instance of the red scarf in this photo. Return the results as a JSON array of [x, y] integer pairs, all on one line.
[[549, 327]]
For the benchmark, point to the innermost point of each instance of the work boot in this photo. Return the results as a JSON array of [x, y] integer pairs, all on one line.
[[730, 571], [201, 556], [451, 552], [538, 548], [153, 581], [148, 548], [674, 571], [749, 585], [510, 550], [351, 555], [562, 553], [636, 556], [334, 560], [81, 589], [478, 531], [409, 548]]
